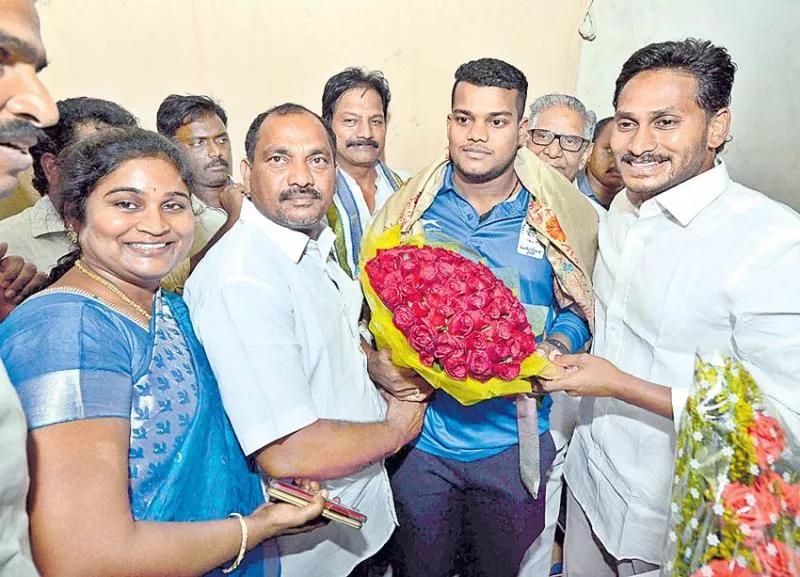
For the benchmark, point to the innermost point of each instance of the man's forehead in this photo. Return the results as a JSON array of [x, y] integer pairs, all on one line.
[[656, 91], [206, 125], [559, 118], [293, 131], [357, 98], [468, 96]]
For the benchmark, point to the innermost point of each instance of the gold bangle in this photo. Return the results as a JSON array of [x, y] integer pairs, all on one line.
[[243, 548]]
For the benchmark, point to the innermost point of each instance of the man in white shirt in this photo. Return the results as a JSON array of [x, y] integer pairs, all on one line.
[[38, 233], [689, 262], [25, 108], [355, 103], [279, 321]]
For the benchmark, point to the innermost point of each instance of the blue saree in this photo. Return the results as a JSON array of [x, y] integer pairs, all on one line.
[[72, 357]]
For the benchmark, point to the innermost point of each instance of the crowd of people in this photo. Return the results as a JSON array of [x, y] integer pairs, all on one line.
[[172, 339]]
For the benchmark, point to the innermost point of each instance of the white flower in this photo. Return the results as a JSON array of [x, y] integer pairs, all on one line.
[[694, 493], [672, 537], [745, 529], [770, 459], [754, 470], [712, 539], [697, 436], [727, 452], [772, 550], [741, 561], [694, 464], [722, 479], [733, 398], [674, 508], [718, 509], [786, 477], [694, 523], [688, 552], [707, 572], [773, 518]]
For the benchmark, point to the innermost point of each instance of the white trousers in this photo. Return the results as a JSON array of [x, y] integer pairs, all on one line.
[[584, 554]]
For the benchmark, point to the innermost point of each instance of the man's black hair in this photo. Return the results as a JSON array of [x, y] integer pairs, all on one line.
[[72, 114], [354, 78], [288, 108], [495, 73], [177, 110]]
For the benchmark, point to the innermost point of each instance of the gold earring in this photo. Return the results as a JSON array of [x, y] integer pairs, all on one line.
[[72, 236]]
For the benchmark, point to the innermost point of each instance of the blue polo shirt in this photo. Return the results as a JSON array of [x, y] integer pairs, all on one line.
[[505, 243]]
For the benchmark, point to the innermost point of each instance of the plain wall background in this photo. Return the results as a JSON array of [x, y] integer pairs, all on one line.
[[762, 38], [253, 54]]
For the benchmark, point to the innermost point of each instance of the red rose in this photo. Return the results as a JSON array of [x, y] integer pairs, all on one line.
[[503, 330], [448, 346], [427, 255], [391, 297], [436, 320], [447, 310], [445, 268], [768, 438], [426, 359], [427, 272], [456, 287], [777, 559], [411, 289], [437, 296], [506, 371], [477, 300], [455, 367], [498, 352], [404, 319], [723, 568], [477, 340], [518, 317], [480, 366], [420, 338], [494, 310], [461, 324], [420, 309], [751, 506]]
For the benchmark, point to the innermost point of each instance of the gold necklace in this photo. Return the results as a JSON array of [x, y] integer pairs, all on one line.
[[113, 288]]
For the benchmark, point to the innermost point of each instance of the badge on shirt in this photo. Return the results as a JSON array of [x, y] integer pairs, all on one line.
[[528, 244]]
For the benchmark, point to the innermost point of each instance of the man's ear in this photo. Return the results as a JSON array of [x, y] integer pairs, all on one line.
[[50, 167], [245, 168], [719, 127], [587, 154], [523, 131]]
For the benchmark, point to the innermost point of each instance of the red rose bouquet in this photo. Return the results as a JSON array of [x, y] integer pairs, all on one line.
[[736, 499], [449, 318]]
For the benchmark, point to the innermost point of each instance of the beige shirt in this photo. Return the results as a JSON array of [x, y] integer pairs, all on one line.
[[37, 234], [15, 548]]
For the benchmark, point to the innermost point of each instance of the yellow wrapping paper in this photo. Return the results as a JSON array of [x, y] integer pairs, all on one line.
[[387, 336]]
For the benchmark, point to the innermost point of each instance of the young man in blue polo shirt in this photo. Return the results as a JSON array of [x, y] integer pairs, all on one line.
[[463, 491]]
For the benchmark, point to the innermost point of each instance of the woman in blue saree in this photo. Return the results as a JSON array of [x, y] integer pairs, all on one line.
[[134, 466]]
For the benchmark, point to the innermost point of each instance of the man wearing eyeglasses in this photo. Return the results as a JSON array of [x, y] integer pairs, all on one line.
[[560, 132]]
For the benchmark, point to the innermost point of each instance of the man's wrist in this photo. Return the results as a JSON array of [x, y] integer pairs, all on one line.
[[558, 343]]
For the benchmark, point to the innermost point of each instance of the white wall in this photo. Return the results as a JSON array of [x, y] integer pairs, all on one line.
[[763, 39], [253, 54]]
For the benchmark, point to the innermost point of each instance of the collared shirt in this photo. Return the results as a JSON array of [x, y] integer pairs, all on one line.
[[279, 321], [384, 190], [37, 234], [15, 549], [505, 242], [582, 182], [706, 266]]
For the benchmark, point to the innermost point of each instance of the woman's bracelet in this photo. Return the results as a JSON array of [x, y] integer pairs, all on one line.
[[243, 548]]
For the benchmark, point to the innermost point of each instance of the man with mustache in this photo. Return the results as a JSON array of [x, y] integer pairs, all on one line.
[[38, 233], [690, 262], [473, 485], [25, 108], [355, 103], [600, 181], [279, 320], [200, 127]]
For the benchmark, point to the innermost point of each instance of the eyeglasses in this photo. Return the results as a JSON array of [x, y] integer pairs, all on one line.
[[567, 142]]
